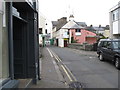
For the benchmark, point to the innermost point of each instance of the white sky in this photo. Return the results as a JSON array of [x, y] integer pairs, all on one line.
[[93, 12]]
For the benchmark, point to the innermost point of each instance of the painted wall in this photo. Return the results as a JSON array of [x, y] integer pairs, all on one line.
[[114, 21], [0, 45], [61, 42], [91, 40], [42, 23], [4, 58], [62, 33], [81, 38], [107, 33]]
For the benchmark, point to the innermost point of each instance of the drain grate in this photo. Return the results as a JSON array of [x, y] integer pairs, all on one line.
[[75, 85]]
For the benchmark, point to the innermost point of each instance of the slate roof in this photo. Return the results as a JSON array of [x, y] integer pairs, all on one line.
[[83, 24], [72, 25], [60, 23], [99, 28], [93, 29], [54, 23]]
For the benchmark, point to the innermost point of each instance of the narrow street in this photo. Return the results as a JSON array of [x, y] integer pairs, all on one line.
[[87, 69]]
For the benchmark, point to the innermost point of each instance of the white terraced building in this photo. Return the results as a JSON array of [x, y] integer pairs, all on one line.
[[115, 21]]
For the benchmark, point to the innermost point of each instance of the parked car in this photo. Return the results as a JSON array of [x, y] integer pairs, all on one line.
[[109, 49]]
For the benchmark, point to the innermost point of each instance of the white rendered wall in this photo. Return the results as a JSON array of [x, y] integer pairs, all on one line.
[[115, 28]]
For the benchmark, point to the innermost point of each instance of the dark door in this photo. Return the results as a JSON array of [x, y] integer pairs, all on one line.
[[57, 42], [65, 43], [24, 35], [20, 50]]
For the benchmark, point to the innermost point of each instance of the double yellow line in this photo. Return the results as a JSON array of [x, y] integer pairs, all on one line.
[[64, 67]]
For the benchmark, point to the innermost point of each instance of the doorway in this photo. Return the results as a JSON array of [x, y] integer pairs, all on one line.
[[20, 49]]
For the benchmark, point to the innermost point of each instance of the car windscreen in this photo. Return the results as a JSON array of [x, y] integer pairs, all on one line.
[[116, 44]]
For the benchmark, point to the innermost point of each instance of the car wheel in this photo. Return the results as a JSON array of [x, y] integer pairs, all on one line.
[[101, 57], [117, 63]]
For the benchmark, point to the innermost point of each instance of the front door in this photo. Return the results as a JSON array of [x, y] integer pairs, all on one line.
[[65, 43]]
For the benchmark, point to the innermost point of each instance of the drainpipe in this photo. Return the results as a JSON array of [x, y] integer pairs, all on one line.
[[10, 39]]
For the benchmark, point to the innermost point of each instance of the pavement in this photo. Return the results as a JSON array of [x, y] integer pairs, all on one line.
[[51, 76]]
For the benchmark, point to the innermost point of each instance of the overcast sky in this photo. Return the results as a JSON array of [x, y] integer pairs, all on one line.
[[93, 12]]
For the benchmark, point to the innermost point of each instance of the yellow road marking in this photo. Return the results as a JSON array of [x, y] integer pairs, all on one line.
[[70, 73], [50, 52], [64, 67], [66, 73]]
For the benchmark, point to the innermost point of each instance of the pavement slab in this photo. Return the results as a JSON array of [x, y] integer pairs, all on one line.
[[49, 74]]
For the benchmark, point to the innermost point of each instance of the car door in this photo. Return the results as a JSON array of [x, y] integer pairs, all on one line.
[[103, 49], [109, 51]]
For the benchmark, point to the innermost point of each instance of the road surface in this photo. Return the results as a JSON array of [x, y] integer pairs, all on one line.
[[87, 69]]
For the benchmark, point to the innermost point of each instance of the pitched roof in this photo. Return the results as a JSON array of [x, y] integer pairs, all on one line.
[[60, 23], [83, 24], [54, 23], [71, 25], [99, 28]]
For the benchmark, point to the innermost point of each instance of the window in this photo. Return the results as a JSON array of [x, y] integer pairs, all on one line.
[[116, 45], [40, 30], [46, 31], [115, 15], [78, 30], [104, 44], [68, 33], [109, 45]]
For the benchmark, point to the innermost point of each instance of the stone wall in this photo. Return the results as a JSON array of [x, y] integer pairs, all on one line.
[[87, 47]]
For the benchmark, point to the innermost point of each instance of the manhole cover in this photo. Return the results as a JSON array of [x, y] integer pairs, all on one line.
[[75, 85]]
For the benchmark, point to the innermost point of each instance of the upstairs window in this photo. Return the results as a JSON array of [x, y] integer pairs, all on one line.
[[46, 31], [78, 30], [115, 15]]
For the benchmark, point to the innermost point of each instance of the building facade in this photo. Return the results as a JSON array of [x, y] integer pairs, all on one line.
[[45, 27], [59, 34], [115, 21], [19, 55], [72, 32], [82, 36]]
